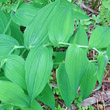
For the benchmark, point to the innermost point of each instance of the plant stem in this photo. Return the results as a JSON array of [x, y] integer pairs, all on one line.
[[23, 52], [96, 50], [19, 47], [64, 43], [48, 44], [17, 6], [83, 46], [7, 26]]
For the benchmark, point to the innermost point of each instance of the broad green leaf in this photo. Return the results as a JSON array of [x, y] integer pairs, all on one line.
[[59, 58], [75, 64], [88, 80], [3, 23], [80, 37], [38, 68], [14, 70], [13, 94], [37, 32], [47, 97], [3, 0], [101, 67], [16, 33], [41, 1], [7, 43], [108, 52], [77, 12], [24, 14], [34, 106], [64, 85], [100, 37], [62, 25]]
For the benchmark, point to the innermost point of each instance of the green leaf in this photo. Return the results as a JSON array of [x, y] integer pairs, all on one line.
[[59, 58], [101, 67], [16, 33], [62, 25], [77, 12], [13, 94], [37, 32], [7, 43], [75, 64], [24, 14], [38, 68], [108, 51], [47, 97], [88, 80], [3, 23], [100, 37], [14, 70], [64, 85], [41, 1], [80, 37], [34, 106]]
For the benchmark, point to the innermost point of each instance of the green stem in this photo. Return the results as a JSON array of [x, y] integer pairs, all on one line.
[[96, 50], [62, 43], [83, 46], [23, 52], [11, 51], [17, 6], [19, 47], [7, 26], [48, 44]]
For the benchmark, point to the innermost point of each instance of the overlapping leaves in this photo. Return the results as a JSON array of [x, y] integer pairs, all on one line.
[[54, 20]]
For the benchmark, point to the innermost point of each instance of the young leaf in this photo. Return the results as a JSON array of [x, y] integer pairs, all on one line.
[[101, 67], [24, 14], [16, 33], [13, 94], [14, 70], [64, 85], [80, 37], [47, 97], [38, 68], [34, 106], [62, 25], [75, 64], [37, 32], [88, 80], [100, 37], [7, 43]]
